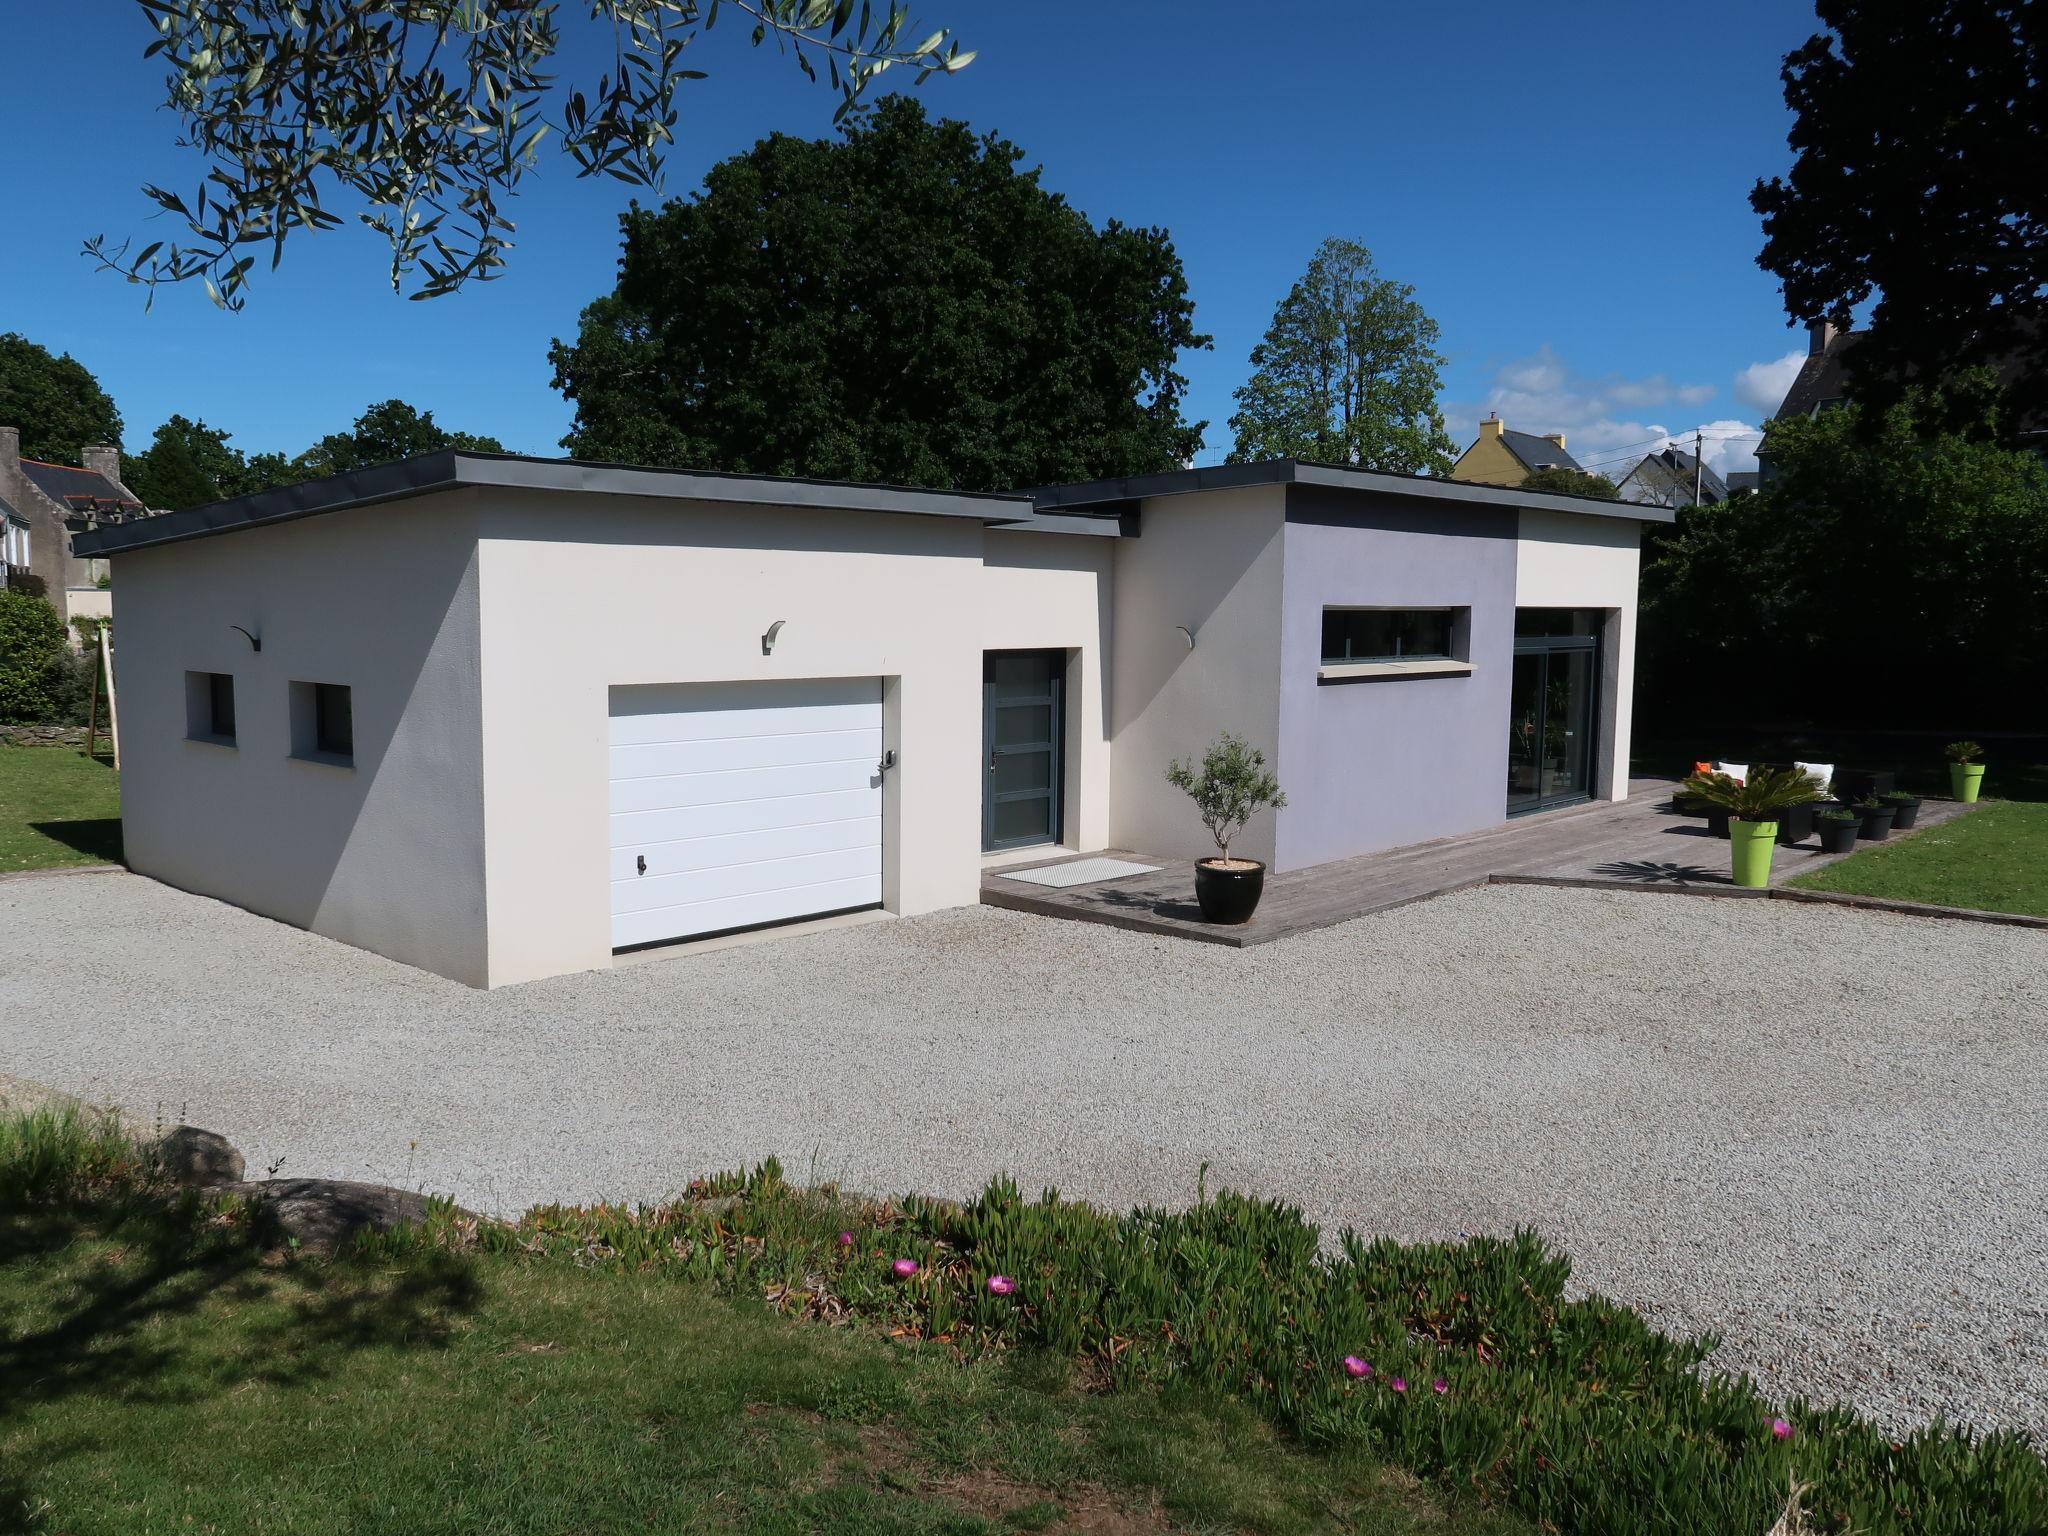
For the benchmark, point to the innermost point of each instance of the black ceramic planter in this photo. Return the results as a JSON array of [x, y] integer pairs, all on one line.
[[1877, 824], [1717, 823], [1229, 895], [1839, 836], [1904, 814], [1795, 823]]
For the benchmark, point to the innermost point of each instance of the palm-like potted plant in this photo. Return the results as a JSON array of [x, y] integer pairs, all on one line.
[[1752, 806], [1965, 770], [1231, 786]]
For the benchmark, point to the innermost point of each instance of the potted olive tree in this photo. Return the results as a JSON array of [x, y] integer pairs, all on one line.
[[1231, 786], [1752, 806], [1965, 770]]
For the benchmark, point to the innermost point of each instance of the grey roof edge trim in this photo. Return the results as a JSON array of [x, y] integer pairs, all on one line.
[[1086, 524], [1180, 482], [453, 468]]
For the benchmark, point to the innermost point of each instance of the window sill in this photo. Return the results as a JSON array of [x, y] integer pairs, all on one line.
[[212, 741], [324, 759], [1364, 671]]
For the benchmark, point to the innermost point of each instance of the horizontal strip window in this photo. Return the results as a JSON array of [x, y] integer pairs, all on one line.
[[1390, 634]]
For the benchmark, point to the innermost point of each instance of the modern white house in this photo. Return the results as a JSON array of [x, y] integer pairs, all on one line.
[[502, 717]]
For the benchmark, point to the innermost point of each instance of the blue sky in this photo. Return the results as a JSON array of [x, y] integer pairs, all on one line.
[[1565, 186]]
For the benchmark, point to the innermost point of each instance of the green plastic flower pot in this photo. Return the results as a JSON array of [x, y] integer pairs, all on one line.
[[1965, 780], [1750, 845]]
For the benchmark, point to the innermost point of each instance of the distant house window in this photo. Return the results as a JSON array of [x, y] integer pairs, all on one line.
[[15, 550], [1389, 634], [210, 707], [323, 723]]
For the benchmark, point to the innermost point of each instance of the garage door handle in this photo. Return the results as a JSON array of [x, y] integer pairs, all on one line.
[[641, 863]]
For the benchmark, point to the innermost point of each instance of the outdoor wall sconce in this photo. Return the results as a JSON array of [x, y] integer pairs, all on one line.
[[1187, 633], [768, 640], [254, 643]]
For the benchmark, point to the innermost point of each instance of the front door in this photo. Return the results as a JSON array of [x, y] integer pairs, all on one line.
[[1020, 731], [1552, 708]]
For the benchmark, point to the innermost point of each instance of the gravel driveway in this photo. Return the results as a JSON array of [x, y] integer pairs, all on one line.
[[1820, 1133]]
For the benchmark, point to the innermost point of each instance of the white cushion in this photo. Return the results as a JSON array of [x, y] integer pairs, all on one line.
[[1823, 773], [1739, 772]]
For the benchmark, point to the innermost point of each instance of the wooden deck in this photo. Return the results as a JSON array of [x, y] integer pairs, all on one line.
[[1636, 844]]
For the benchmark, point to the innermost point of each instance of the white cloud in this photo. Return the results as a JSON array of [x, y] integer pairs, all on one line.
[[1607, 419], [1762, 386]]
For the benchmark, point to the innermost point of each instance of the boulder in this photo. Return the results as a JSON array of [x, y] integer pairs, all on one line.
[[198, 1159], [323, 1214]]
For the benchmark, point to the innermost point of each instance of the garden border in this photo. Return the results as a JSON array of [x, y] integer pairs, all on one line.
[[1783, 893]]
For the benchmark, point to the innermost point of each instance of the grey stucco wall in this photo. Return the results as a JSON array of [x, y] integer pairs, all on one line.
[[1379, 764]]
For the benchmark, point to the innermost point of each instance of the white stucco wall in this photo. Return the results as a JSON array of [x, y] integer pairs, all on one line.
[[1048, 591], [1568, 561], [1210, 561], [388, 854]]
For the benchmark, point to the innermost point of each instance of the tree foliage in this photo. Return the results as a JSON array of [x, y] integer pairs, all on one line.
[[387, 431], [55, 401], [32, 654], [427, 112], [1929, 118], [1898, 567], [1570, 482], [902, 304], [1230, 786], [1346, 374]]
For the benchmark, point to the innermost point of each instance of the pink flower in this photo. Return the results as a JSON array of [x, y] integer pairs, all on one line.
[[846, 1239], [1001, 1285], [1399, 1383], [1781, 1429], [904, 1268], [1353, 1366], [1439, 1386]]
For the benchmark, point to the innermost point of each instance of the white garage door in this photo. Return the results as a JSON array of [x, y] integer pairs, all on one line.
[[735, 804]]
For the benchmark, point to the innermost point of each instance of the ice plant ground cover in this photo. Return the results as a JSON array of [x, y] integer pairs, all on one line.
[[161, 1372], [1572, 1413], [592, 1368]]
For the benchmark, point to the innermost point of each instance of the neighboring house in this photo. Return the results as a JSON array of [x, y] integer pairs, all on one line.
[[44, 504], [1672, 477], [1501, 457], [501, 717], [1741, 482]]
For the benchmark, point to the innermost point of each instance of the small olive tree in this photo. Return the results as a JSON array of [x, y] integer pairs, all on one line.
[[1231, 786]]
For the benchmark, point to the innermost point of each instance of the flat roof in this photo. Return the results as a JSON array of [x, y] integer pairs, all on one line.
[[454, 468], [1218, 477]]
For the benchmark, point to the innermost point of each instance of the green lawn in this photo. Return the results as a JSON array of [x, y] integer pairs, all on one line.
[[157, 1376], [1993, 859], [57, 807]]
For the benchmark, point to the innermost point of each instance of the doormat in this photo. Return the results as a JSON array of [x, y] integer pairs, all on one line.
[[1080, 872]]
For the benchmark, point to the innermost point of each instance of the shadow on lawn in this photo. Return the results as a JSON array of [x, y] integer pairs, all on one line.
[[115, 1334], [96, 838]]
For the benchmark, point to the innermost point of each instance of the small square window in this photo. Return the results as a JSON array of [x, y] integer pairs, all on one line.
[[210, 707], [1389, 634], [323, 723]]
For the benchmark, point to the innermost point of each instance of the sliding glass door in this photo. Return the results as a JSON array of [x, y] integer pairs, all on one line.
[[1553, 708]]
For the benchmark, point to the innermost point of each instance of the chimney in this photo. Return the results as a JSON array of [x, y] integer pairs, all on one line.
[[10, 446], [1493, 426], [1818, 334], [102, 458], [1555, 437]]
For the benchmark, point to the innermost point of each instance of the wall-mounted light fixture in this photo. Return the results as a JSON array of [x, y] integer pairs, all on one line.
[[1187, 634], [768, 640], [254, 643]]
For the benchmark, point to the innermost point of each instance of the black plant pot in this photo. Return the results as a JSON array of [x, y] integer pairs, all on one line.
[[1717, 823], [1229, 895], [1904, 814], [1795, 823], [1859, 783], [1877, 824], [1839, 836]]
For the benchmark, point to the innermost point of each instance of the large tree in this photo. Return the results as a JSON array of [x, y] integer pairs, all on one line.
[[1898, 555], [58, 405], [423, 114], [387, 431], [1921, 137], [188, 464], [902, 304], [1347, 373]]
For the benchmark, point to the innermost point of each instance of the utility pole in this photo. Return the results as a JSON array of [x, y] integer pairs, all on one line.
[[1699, 463]]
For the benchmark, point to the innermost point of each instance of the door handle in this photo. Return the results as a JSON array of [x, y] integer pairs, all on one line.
[[640, 863]]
